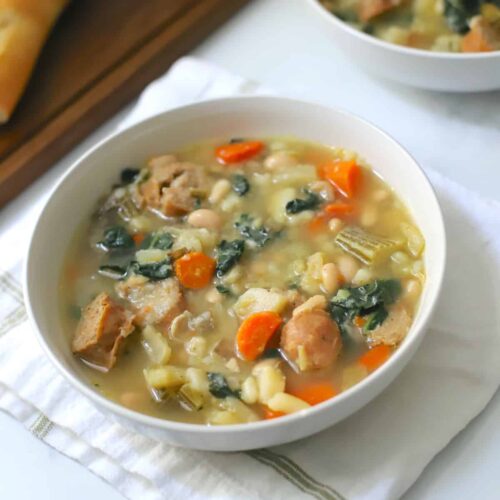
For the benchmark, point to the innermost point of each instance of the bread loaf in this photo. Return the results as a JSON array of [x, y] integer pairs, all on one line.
[[24, 27]]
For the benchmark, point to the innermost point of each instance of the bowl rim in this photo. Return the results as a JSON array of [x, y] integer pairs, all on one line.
[[203, 429], [400, 49]]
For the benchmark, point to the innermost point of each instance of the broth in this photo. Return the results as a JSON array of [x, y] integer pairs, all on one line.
[[175, 331]]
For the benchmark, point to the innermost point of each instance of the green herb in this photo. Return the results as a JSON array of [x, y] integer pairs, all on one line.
[[116, 238], [259, 235], [310, 202], [376, 318], [458, 12], [367, 300], [129, 175], [197, 203], [228, 254], [218, 386], [224, 290], [240, 184], [271, 353], [154, 271], [160, 240], [235, 140], [113, 272]]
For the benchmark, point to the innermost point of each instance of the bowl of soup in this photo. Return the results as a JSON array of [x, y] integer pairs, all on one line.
[[446, 45], [236, 273]]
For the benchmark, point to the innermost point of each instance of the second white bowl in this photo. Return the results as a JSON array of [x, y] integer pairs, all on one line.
[[419, 68]]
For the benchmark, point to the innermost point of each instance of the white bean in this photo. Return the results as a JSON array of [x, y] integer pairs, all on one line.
[[133, 400], [330, 277], [286, 403], [335, 225], [315, 302], [249, 390], [205, 218], [219, 190], [279, 160], [412, 289], [380, 195], [348, 267]]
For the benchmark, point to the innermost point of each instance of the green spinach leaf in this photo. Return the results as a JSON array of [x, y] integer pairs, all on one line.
[[129, 175], [154, 271], [240, 185], [160, 240], [458, 12], [116, 238], [310, 202], [228, 254], [367, 300], [258, 235], [218, 386]]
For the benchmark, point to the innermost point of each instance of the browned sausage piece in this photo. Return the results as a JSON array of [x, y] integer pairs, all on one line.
[[317, 333], [394, 329], [156, 303], [368, 9], [173, 186], [103, 327]]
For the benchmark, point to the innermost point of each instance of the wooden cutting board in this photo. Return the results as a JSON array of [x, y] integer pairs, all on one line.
[[101, 54]]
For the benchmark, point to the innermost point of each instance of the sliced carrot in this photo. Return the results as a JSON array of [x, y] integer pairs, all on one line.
[[359, 321], [270, 414], [339, 209], [195, 269], [238, 152], [344, 175], [315, 393], [375, 357], [255, 332], [138, 238]]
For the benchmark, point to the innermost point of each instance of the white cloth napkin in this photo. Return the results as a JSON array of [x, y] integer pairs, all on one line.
[[377, 453]]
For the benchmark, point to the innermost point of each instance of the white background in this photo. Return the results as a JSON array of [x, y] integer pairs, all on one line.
[[280, 43]]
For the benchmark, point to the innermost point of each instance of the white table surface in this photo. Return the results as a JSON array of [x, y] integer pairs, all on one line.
[[279, 43]]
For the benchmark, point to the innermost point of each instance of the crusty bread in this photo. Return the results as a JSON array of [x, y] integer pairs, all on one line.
[[24, 26]]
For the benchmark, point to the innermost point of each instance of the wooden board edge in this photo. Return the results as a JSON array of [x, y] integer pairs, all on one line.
[[118, 87]]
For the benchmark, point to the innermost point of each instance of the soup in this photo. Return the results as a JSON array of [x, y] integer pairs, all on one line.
[[241, 280], [438, 25]]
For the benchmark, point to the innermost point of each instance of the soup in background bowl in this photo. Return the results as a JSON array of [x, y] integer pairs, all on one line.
[[300, 226], [436, 25]]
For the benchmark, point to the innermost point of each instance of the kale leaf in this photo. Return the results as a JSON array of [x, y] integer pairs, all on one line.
[[240, 185], [154, 271], [259, 235], [116, 238], [310, 202], [160, 240], [228, 254], [223, 289], [458, 12], [129, 175], [218, 386], [271, 354], [367, 300]]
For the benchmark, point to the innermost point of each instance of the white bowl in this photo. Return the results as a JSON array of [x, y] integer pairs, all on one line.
[[419, 68], [76, 195]]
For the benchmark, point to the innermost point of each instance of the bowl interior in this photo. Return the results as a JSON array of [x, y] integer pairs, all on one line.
[[77, 194]]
